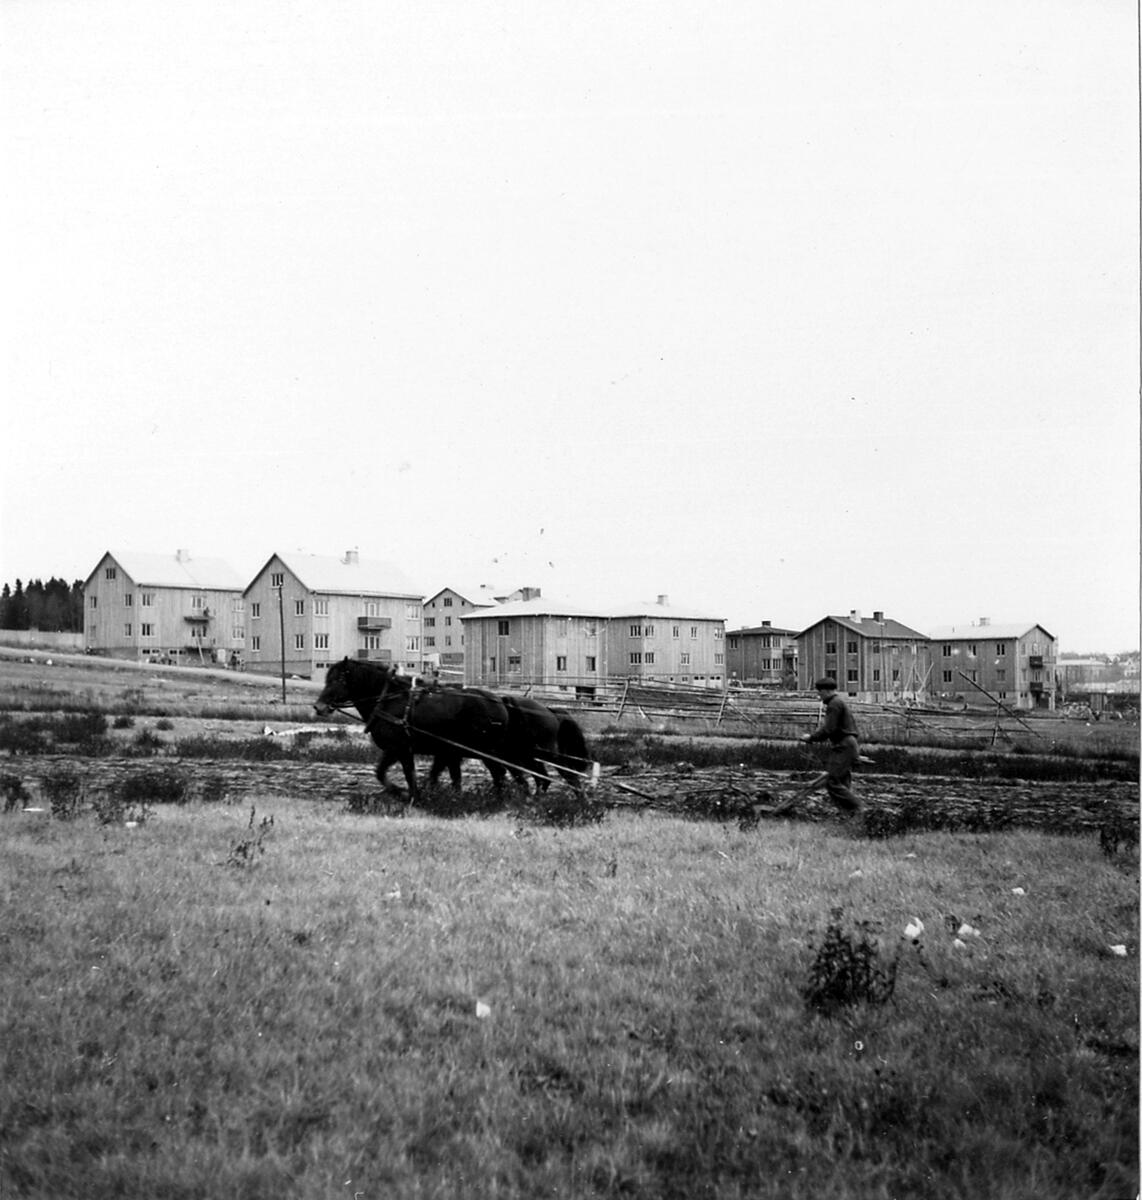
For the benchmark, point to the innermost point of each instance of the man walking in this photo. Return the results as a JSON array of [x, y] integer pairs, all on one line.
[[838, 729]]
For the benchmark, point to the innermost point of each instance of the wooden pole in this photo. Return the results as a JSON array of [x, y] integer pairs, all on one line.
[[281, 627]]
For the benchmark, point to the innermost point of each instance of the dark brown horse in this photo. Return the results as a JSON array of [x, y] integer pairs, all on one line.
[[404, 720], [539, 737]]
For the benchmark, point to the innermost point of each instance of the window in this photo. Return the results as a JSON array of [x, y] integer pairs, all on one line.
[[719, 659], [636, 631], [732, 643], [875, 674], [830, 647], [447, 601], [852, 676], [675, 630], [635, 658], [684, 658], [109, 573], [492, 664], [649, 656], [504, 628], [649, 631], [127, 629], [430, 622], [412, 612], [147, 630], [1001, 648], [448, 639], [895, 674], [947, 677], [591, 662], [1001, 673], [412, 643], [561, 662], [239, 633], [255, 611], [972, 649], [447, 620], [148, 599], [430, 641], [719, 633], [321, 641], [321, 608], [513, 663], [372, 641], [128, 599], [255, 643], [94, 601], [851, 647], [277, 579], [198, 603], [299, 641], [693, 631], [299, 608]]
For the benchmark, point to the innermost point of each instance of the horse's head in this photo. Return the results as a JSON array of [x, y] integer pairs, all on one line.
[[338, 691]]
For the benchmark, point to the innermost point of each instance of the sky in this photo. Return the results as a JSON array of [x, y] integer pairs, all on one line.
[[778, 309]]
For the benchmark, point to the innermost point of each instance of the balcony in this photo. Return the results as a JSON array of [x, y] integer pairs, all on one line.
[[374, 623], [1035, 688], [200, 617], [1035, 662], [381, 656]]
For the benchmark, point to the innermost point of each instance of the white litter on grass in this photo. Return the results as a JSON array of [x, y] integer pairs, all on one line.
[[131, 824], [960, 945], [393, 895], [33, 810], [1018, 892], [1119, 950], [483, 1011], [914, 929], [857, 874], [966, 930]]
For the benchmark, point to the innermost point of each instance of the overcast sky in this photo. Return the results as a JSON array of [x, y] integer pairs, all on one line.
[[778, 308]]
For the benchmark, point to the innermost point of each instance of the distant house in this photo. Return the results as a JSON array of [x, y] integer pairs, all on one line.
[[762, 654], [163, 608], [1015, 663], [443, 633], [326, 608], [549, 642], [872, 658]]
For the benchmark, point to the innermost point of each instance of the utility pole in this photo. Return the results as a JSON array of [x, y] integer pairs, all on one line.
[[281, 628]]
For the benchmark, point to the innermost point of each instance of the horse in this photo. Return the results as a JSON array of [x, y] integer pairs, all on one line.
[[404, 720], [535, 730]]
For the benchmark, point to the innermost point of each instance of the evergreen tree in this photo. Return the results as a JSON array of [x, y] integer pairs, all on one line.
[[18, 608]]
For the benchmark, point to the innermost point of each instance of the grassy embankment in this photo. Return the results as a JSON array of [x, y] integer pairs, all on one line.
[[336, 1006]]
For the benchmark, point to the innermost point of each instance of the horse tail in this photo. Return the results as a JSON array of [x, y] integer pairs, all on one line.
[[572, 744]]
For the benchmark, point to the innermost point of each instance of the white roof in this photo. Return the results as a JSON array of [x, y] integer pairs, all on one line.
[[364, 576], [555, 606], [983, 633], [178, 570], [482, 593]]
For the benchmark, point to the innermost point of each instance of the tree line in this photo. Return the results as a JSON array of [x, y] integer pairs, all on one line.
[[52, 607]]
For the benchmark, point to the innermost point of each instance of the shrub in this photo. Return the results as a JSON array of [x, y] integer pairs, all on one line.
[[849, 968], [165, 724], [14, 793], [146, 741], [155, 785], [123, 721], [249, 848], [66, 791], [23, 737]]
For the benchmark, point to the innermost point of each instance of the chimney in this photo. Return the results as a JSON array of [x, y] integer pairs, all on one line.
[[854, 615], [663, 600], [766, 624], [182, 556], [352, 558], [529, 593], [985, 620], [878, 616]]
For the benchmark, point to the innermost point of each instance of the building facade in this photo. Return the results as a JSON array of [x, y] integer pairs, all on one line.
[[169, 608], [550, 643], [762, 656], [311, 610], [873, 659], [443, 633], [1014, 663]]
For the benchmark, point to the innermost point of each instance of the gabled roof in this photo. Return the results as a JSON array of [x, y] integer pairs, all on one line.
[[761, 629], [885, 630], [990, 632], [359, 576], [555, 606], [480, 594], [537, 606], [179, 570]]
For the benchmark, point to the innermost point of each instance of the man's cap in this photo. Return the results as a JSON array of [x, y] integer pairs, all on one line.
[[825, 684]]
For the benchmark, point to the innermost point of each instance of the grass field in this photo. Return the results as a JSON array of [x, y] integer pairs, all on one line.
[[209, 1005]]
